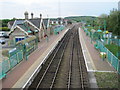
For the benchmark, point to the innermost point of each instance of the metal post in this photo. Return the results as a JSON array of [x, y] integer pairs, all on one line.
[[104, 25]]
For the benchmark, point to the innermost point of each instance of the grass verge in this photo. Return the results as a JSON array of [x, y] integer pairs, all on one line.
[[113, 48], [107, 79]]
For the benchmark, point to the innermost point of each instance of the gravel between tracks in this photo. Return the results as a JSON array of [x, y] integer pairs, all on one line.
[[62, 78]]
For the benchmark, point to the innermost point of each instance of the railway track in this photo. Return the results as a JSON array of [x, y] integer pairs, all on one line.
[[65, 67]]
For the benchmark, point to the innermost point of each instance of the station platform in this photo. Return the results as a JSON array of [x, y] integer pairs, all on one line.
[[18, 77], [94, 62], [92, 59]]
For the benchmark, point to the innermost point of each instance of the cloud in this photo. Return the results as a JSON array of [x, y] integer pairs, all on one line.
[[51, 1], [16, 8]]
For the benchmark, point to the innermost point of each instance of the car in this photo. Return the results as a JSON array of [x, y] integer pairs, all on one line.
[[3, 34], [6, 36], [2, 41]]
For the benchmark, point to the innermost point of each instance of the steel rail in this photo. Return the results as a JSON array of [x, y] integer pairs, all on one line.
[[51, 62], [80, 68], [58, 65], [71, 58], [75, 39]]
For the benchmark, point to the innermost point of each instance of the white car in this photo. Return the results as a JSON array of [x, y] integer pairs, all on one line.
[[3, 34], [2, 41]]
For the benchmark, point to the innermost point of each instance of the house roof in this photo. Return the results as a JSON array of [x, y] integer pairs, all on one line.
[[36, 22], [23, 27], [45, 21], [53, 19], [18, 22], [11, 22]]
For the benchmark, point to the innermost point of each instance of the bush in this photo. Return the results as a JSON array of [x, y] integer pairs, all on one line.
[[4, 29], [5, 53]]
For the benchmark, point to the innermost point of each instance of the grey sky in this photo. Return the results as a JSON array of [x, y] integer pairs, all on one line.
[[16, 8]]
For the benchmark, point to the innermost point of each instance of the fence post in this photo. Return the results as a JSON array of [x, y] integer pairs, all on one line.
[[9, 61], [111, 58], [17, 58], [107, 53], [118, 67], [119, 74]]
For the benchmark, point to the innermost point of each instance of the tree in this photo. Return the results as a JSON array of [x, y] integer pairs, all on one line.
[[102, 19], [113, 22]]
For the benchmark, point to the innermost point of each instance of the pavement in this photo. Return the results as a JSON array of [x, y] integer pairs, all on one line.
[[19, 75]]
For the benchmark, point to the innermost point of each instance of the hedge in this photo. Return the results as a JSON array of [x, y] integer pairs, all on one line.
[[4, 29]]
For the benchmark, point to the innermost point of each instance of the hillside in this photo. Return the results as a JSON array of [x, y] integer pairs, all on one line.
[[81, 18]]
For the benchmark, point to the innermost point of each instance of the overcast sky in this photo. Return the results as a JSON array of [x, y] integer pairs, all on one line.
[[55, 8]]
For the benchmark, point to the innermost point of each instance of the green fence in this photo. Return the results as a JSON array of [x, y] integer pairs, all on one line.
[[30, 47], [112, 59], [16, 55], [58, 29]]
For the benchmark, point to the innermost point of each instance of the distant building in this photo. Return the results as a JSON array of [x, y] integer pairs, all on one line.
[[39, 27], [20, 29], [119, 6]]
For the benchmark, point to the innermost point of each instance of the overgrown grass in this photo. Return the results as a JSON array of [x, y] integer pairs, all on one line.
[[113, 48], [107, 79]]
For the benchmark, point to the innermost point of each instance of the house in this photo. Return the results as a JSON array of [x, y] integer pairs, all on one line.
[[57, 21], [20, 29]]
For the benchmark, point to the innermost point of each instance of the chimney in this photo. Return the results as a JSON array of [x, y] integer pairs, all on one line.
[[26, 15], [40, 16], [31, 15]]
